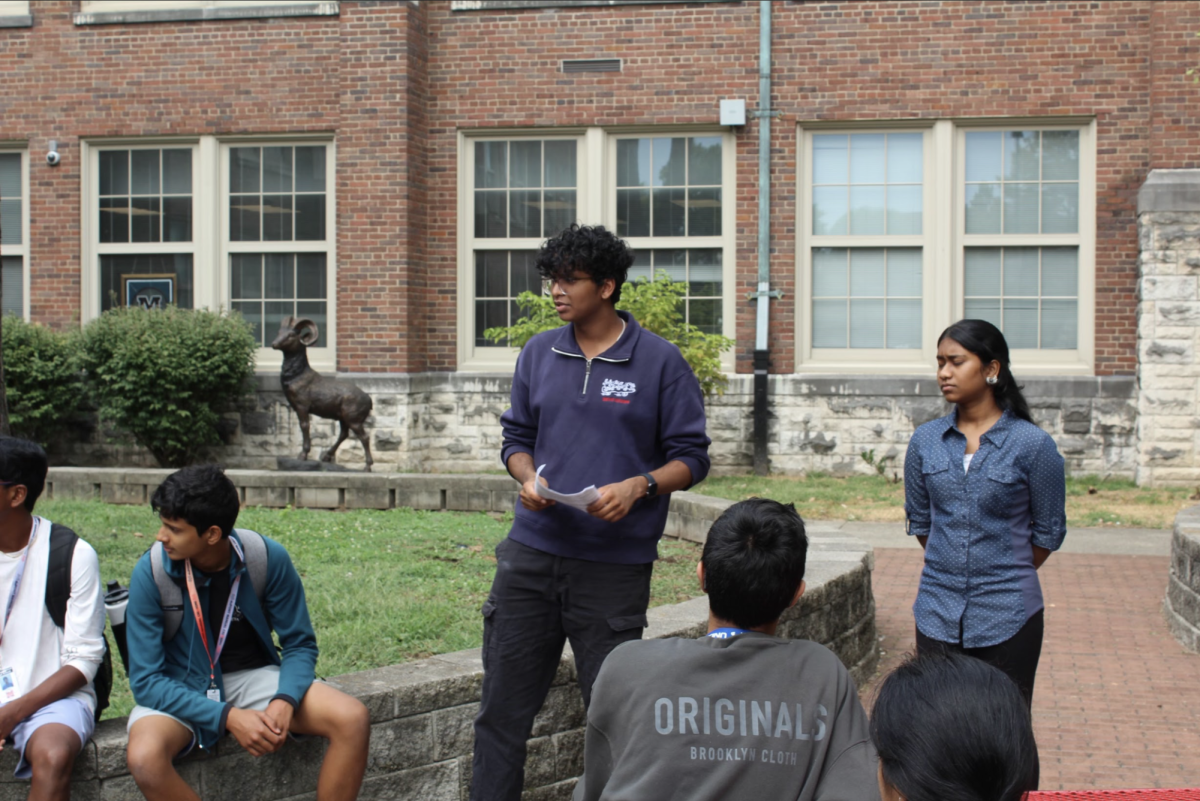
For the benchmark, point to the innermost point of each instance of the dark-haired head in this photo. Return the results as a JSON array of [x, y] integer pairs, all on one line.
[[593, 250], [949, 727], [987, 343], [202, 495], [753, 562], [23, 464]]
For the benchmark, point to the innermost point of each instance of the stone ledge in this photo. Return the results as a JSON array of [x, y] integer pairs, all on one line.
[[1181, 606], [1170, 190]]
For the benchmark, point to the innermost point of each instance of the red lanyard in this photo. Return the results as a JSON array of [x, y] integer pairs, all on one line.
[[226, 619]]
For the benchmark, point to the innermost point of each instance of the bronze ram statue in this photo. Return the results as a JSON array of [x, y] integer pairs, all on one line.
[[309, 392]]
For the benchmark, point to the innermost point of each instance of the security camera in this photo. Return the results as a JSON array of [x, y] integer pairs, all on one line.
[[52, 158]]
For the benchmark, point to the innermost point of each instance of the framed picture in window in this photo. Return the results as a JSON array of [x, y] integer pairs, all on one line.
[[149, 291]]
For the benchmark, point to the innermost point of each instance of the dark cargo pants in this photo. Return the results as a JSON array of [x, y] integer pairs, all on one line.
[[538, 601]]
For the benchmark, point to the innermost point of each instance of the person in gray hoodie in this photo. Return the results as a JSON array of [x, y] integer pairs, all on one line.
[[738, 713]]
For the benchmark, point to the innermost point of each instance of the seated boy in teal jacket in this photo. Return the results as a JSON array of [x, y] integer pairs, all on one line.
[[226, 676]]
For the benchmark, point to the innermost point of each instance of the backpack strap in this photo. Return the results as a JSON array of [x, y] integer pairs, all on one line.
[[58, 572], [170, 594]]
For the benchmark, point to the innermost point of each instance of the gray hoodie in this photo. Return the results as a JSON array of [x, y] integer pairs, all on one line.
[[752, 716]]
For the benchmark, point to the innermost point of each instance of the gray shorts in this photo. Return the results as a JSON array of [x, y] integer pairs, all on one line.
[[245, 689], [68, 711]]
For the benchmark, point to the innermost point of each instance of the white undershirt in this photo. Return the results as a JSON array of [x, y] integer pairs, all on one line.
[[967, 461]]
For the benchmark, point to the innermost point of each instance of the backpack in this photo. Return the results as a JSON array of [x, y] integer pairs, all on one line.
[[58, 591], [170, 594]]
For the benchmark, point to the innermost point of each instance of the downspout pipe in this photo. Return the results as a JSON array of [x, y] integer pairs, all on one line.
[[761, 355]]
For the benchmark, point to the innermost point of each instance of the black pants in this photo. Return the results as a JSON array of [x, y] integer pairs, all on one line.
[[539, 601], [1017, 656]]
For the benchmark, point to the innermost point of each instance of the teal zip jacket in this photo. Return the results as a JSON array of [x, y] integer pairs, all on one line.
[[172, 677]]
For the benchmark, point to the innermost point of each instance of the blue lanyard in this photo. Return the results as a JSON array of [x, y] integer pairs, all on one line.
[[16, 584], [726, 633]]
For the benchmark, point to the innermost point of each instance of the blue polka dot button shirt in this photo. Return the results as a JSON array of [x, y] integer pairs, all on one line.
[[979, 585]]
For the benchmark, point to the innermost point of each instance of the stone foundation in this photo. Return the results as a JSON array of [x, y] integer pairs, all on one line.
[[1182, 604], [422, 712]]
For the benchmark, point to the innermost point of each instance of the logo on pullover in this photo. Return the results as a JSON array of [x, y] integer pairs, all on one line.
[[620, 389]]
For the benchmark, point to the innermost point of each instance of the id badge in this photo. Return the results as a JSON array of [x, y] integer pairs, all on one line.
[[214, 694], [8, 685]]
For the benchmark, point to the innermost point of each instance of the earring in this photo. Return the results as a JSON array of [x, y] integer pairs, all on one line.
[[991, 379]]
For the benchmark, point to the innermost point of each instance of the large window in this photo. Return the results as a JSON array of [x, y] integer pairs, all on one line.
[[242, 225], [907, 230], [664, 193], [14, 223]]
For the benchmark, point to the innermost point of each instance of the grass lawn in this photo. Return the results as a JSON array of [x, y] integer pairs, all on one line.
[[1090, 501], [382, 587]]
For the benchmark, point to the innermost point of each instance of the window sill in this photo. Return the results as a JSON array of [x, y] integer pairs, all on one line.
[[17, 21], [131, 17]]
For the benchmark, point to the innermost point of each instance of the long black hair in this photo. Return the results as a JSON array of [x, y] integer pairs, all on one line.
[[985, 341], [950, 727]]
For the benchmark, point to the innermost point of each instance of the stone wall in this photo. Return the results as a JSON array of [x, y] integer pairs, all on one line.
[[1182, 604], [1169, 329], [422, 712], [450, 422]]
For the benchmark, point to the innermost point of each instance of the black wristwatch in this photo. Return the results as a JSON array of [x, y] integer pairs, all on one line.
[[652, 488]]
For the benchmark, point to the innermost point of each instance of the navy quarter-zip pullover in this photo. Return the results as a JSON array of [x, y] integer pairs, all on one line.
[[628, 411]]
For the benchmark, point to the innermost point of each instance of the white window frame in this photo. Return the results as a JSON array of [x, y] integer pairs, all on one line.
[[943, 242], [596, 195], [210, 246], [22, 249]]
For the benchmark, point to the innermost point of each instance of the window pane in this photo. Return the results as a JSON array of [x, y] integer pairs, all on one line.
[[904, 324], [866, 210], [1060, 208], [526, 168], [252, 312], [1060, 272], [144, 172], [669, 211], [705, 315], [904, 158], [1021, 322], [10, 175], [274, 313], [1060, 155], [146, 278], [310, 275], [244, 169], [829, 324], [704, 273], [669, 162], [984, 156], [866, 324], [310, 169], [633, 162], [277, 169], [491, 165], [829, 210], [983, 208], [177, 219], [831, 163], [904, 272], [704, 212], [1022, 155], [491, 274], [244, 224], [145, 219], [1059, 324], [866, 272], [315, 310], [1021, 271], [560, 163], [10, 222], [559, 210], [245, 276], [704, 161], [276, 218], [525, 213], [525, 276], [984, 309], [904, 209], [641, 267], [489, 314], [671, 262], [310, 217], [491, 216], [829, 273], [981, 272], [1020, 208], [14, 285], [114, 219], [114, 172], [867, 159], [633, 212], [278, 275]]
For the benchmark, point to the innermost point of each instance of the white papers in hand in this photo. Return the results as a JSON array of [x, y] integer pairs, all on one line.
[[580, 500]]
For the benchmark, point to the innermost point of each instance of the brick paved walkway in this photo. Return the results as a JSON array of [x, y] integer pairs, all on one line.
[[1117, 701]]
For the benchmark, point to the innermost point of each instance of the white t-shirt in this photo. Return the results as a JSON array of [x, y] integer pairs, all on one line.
[[31, 644], [967, 461]]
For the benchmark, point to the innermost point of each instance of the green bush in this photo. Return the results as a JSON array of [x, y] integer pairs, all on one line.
[[41, 378], [655, 305], [163, 376]]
